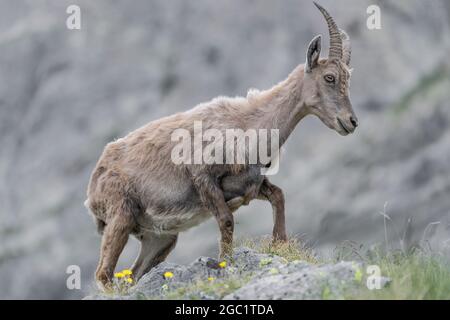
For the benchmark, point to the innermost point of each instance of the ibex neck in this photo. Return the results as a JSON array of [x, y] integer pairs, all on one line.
[[280, 107]]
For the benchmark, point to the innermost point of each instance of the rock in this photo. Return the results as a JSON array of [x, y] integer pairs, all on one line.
[[245, 261], [304, 282], [152, 283], [269, 277]]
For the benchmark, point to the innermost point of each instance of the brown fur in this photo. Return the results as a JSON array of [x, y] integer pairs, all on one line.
[[136, 189]]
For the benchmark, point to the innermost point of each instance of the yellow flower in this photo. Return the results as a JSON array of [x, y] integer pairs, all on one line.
[[127, 272], [210, 278], [358, 275], [168, 275], [129, 280], [119, 275], [223, 264]]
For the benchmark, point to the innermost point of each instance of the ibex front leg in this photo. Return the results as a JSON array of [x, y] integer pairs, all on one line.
[[274, 195], [213, 198]]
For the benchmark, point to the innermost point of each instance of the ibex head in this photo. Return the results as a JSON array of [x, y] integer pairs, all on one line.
[[326, 82]]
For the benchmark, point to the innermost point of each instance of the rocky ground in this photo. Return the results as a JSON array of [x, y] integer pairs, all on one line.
[[252, 275]]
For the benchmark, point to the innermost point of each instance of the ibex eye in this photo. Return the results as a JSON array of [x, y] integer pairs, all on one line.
[[329, 78]]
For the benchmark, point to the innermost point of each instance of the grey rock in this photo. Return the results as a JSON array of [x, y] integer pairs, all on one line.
[[245, 261], [270, 277], [311, 282], [152, 283]]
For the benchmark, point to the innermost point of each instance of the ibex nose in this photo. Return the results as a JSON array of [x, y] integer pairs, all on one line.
[[354, 121]]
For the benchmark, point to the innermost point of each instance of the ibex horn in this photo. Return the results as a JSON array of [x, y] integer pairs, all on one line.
[[335, 35], [346, 47]]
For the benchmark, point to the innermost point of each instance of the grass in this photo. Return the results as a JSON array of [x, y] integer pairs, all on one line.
[[291, 250], [217, 288], [414, 276], [415, 273]]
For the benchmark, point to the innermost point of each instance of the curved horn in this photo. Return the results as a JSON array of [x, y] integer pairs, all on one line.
[[335, 37], [346, 47]]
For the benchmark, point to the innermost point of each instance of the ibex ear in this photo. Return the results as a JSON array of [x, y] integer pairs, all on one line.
[[313, 53]]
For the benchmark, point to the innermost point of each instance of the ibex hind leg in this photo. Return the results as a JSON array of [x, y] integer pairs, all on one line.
[[154, 250], [114, 239], [274, 195]]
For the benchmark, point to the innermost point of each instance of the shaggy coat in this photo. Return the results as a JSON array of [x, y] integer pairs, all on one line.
[[137, 189]]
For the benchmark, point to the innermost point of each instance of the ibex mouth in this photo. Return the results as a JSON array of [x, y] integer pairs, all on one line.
[[343, 126]]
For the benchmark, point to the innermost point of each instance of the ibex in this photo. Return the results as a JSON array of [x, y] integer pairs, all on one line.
[[136, 189]]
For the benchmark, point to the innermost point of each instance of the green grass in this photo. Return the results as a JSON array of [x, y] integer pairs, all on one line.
[[217, 288], [415, 276]]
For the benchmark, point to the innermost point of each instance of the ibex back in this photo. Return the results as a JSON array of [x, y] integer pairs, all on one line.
[[137, 189]]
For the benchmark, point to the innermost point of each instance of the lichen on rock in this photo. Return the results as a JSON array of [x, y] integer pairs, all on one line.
[[250, 275]]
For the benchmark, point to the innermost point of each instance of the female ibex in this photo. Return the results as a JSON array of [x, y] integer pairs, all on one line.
[[136, 188]]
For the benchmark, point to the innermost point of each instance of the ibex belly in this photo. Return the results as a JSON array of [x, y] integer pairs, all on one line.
[[185, 210], [240, 189], [175, 211]]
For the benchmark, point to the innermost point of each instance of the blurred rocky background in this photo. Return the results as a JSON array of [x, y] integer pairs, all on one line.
[[65, 93]]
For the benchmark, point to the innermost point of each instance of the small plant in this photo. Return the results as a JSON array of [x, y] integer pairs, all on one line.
[[216, 288], [122, 282], [414, 276], [417, 271], [291, 250]]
